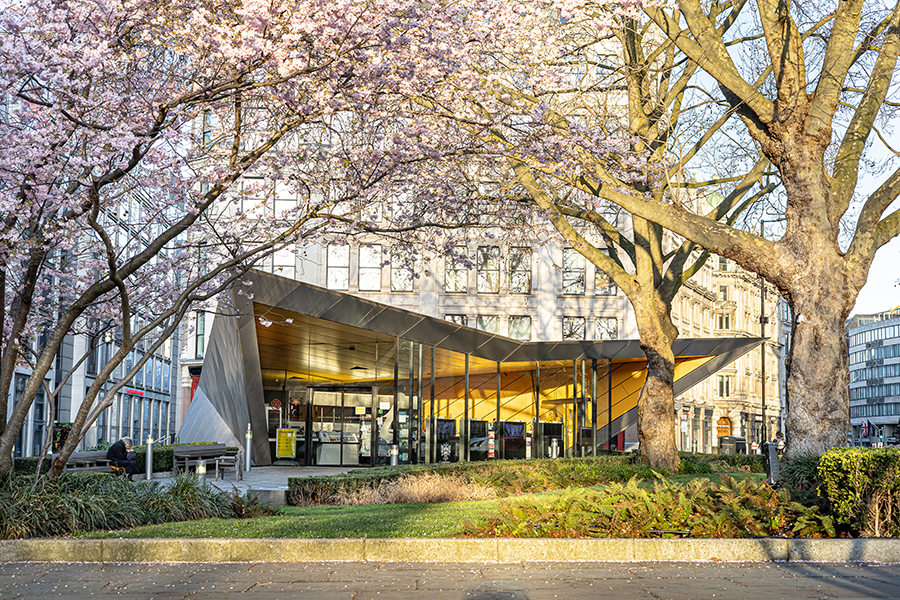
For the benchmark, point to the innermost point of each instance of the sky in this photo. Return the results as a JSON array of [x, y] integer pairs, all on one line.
[[882, 290]]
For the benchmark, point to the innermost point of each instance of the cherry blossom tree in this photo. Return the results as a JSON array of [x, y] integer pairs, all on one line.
[[128, 127]]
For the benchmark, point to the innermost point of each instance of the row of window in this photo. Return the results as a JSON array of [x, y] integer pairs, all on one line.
[[38, 419], [875, 372], [875, 410], [488, 264], [371, 261], [882, 333], [573, 328], [135, 417], [861, 356], [875, 391]]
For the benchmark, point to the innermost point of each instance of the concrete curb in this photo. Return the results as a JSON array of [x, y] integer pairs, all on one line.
[[502, 550]]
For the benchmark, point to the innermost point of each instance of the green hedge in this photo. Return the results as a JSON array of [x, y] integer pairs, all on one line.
[[162, 456], [27, 465], [862, 486]]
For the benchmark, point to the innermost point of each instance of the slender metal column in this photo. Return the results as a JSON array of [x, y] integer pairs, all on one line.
[[420, 414], [432, 441], [464, 454], [395, 439], [582, 413], [410, 389], [502, 450], [537, 447], [574, 420], [609, 405], [593, 407]]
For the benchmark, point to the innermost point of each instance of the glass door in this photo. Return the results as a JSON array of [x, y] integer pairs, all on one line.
[[341, 426]]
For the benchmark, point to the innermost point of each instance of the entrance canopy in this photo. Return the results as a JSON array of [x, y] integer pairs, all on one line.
[[338, 367]]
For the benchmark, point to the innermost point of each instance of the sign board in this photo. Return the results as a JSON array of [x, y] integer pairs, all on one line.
[[276, 404], [286, 443], [359, 410], [384, 405], [754, 447]]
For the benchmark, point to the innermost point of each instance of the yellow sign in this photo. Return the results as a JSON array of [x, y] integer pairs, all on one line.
[[286, 443]]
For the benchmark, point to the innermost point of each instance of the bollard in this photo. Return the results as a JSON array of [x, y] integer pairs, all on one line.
[[201, 472], [249, 443], [773, 467], [148, 467], [395, 455], [554, 448]]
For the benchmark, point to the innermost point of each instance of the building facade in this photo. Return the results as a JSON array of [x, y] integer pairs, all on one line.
[[550, 292], [745, 398], [873, 342]]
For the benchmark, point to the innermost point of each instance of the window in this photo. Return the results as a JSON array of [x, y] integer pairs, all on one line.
[[164, 419], [606, 328], [284, 263], [91, 363], [157, 374], [723, 293], [489, 324], [603, 285], [723, 263], [338, 269], [520, 328], [573, 328], [199, 339], [573, 272], [40, 422], [723, 321], [207, 130], [146, 419], [402, 263], [370, 268], [724, 386], [456, 272], [488, 266], [520, 271], [458, 319]]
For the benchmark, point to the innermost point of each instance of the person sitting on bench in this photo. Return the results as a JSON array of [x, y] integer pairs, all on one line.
[[121, 455]]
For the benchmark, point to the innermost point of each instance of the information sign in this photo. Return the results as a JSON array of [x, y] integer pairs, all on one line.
[[286, 443]]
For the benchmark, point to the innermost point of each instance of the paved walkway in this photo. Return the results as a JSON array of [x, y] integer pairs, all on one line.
[[270, 478], [438, 581]]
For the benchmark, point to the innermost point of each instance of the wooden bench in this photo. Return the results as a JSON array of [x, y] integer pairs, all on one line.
[[232, 459], [89, 461], [183, 456]]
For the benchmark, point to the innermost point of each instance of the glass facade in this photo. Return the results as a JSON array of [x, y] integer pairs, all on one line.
[[434, 404]]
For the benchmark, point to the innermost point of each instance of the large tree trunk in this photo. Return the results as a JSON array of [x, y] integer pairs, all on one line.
[[656, 402], [818, 411]]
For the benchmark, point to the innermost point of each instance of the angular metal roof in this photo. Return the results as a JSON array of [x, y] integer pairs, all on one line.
[[352, 311]]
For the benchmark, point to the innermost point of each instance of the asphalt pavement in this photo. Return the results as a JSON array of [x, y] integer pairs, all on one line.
[[451, 581]]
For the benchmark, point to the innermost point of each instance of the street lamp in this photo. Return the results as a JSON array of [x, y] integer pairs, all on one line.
[[763, 319]]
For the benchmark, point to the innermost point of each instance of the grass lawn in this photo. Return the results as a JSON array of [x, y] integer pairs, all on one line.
[[378, 521]]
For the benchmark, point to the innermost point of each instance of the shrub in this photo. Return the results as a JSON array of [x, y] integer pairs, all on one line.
[[698, 509], [97, 501], [27, 465], [505, 476], [428, 487], [248, 506], [799, 474], [862, 486]]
